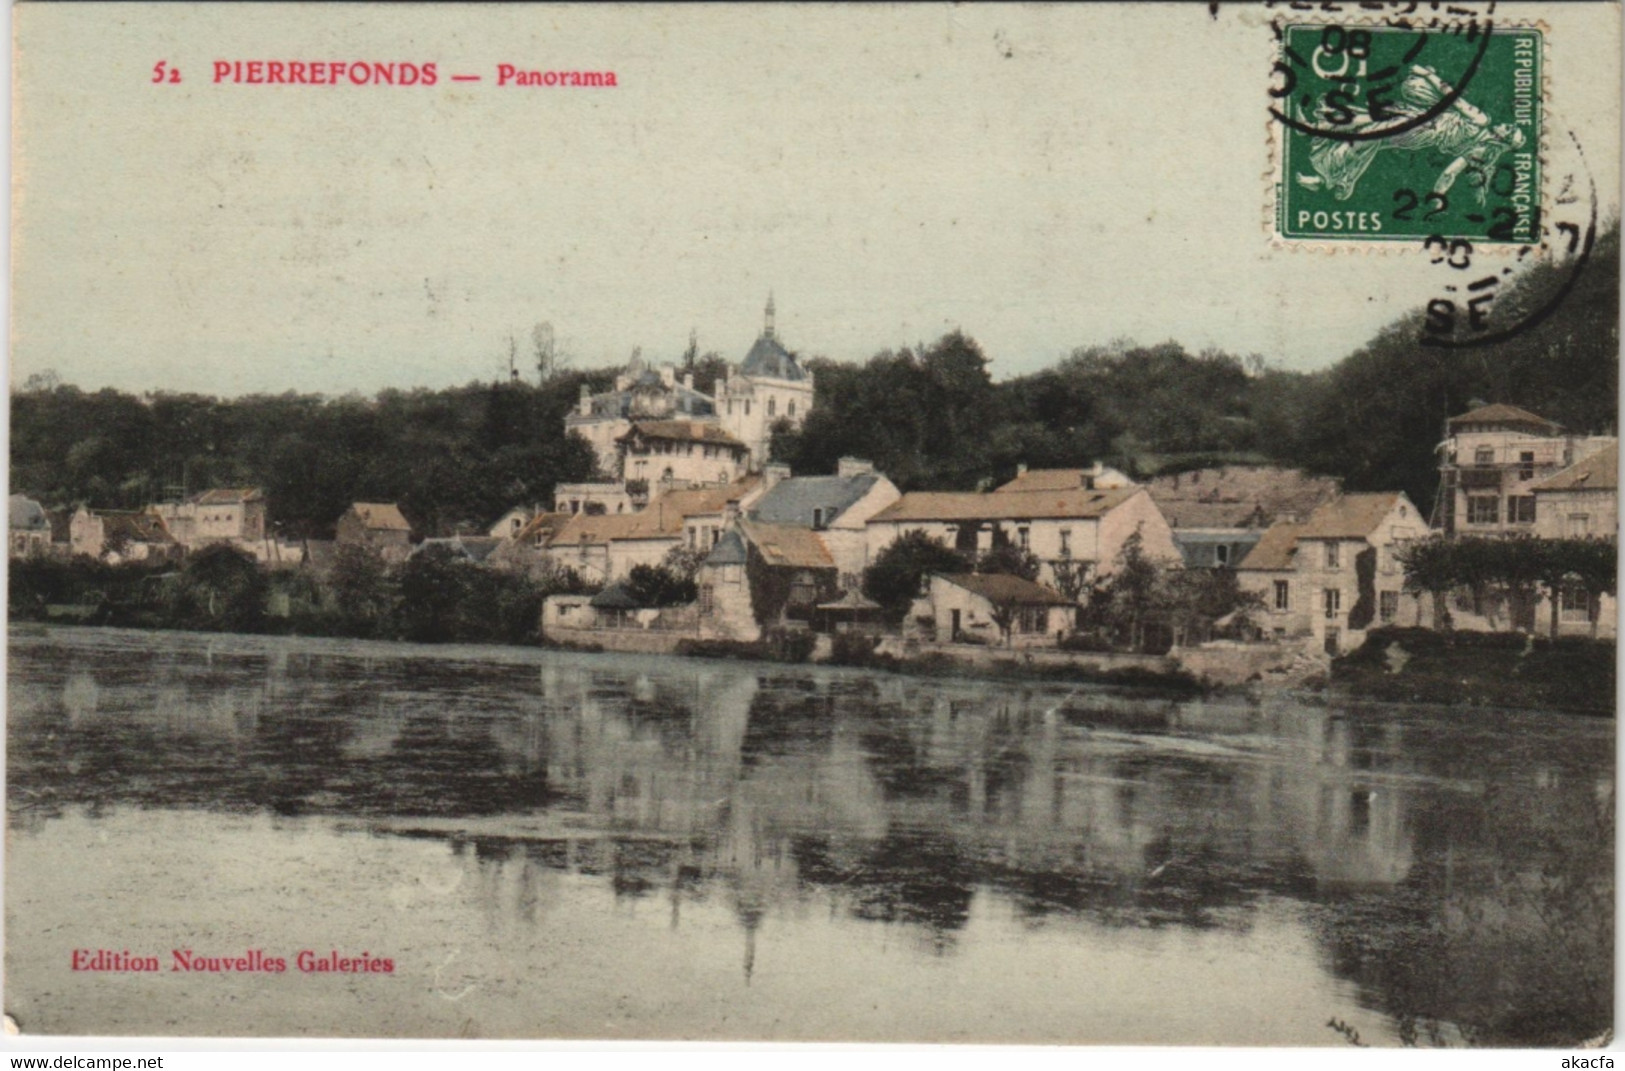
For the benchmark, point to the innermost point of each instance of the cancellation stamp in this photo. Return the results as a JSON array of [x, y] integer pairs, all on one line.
[[1405, 134]]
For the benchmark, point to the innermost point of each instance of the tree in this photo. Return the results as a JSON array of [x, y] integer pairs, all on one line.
[[685, 561], [1430, 566], [362, 587], [434, 583], [655, 586], [1009, 559], [225, 588], [895, 578], [1071, 577]]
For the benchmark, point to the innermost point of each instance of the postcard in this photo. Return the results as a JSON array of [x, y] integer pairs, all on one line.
[[1081, 524]]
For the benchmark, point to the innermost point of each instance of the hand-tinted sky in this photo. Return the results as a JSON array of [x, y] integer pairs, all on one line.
[[1042, 178]]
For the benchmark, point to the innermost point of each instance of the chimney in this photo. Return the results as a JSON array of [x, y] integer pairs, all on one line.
[[853, 466], [772, 473], [586, 401], [1021, 468], [688, 380]]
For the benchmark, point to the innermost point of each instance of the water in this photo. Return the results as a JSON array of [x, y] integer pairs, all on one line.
[[548, 844]]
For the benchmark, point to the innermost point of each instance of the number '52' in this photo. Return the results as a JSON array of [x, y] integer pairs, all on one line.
[[162, 72]]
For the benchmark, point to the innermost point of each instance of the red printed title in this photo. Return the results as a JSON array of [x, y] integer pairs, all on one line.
[[374, 73]]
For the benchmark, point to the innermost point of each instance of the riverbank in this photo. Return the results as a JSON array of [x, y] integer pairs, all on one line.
[[1481, 669]]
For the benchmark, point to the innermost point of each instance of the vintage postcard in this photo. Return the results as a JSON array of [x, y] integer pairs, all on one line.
[[1082, 524]]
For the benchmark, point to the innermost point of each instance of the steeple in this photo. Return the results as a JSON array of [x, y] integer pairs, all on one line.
[[767, 331]]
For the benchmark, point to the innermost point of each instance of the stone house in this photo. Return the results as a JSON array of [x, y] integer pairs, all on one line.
[[768, 386], [761, 573], [1581, 501], [993, 609], [1074, 529], [121, 536], [377, 526], [1219, 514], [1346, 566], [1492, 458], [606, 547], [660, 454], [837, 507], [235, 515], [1270, 571]]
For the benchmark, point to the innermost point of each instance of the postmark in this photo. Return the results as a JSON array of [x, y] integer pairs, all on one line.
[[1401, 134]]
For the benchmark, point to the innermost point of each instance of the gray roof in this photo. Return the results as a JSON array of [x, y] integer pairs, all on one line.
[[769, 359], [792, 501], [730, 550], [27, 515], [475, 548], [614, 597]]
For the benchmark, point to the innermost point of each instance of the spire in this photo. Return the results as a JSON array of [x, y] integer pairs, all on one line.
[[767, 331]]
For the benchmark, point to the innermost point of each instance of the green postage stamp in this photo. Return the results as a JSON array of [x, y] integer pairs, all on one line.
[[1403, 134]]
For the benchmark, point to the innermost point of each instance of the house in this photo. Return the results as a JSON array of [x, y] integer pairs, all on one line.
[[1491, 459], [1345, 566], [767, 386], [377, 526], [1270, 571], [235, 515], [508, 525], [605, 547], [121, 536], [1219, 514], [659, 454], [526, 550], [29, 527], [763, 575], [1581, 501], [995, 610], [838, 507], [1074, 533]]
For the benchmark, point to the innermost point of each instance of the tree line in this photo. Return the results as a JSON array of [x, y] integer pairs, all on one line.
[[930, 417]]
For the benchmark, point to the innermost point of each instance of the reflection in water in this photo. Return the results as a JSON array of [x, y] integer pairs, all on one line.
[[1455, 868]]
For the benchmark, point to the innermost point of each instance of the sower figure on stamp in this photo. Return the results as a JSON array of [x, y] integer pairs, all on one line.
[[1461, 132]]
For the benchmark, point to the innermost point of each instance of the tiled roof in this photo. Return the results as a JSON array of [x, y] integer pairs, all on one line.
[[1003, 588], [1504, 414], [788, 546], [384, 516], [135, 527], [474, 548], [541, 524], [1350, 517], [1238, 496], [1599, 472], [686, 431], [792, 501], [228, 496], [1058, 479], [661, 519], [1274, 551], [1004, 505]]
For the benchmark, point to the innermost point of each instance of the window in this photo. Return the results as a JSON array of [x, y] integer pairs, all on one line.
[[1283, 595], [1576, 602], [1334, 557], [772, 406], [1483, 509], [1066, 542], [1388, 605], [1526, 465], [1484, 455], [820, 518], [707, 596], [1334, 602], [1024, 537], [792, 407], [747, 407], [1221, 554], [1579, 525], [1521, 509]]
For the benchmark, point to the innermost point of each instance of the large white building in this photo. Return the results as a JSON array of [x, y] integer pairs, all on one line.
[[769, 385]]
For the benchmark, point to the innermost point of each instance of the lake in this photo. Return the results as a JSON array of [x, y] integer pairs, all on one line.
[[547, 844]]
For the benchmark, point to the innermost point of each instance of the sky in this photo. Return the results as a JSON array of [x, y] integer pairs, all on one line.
[[1042, 178]]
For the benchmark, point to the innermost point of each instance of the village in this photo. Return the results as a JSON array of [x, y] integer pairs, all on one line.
[[693, 535]]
